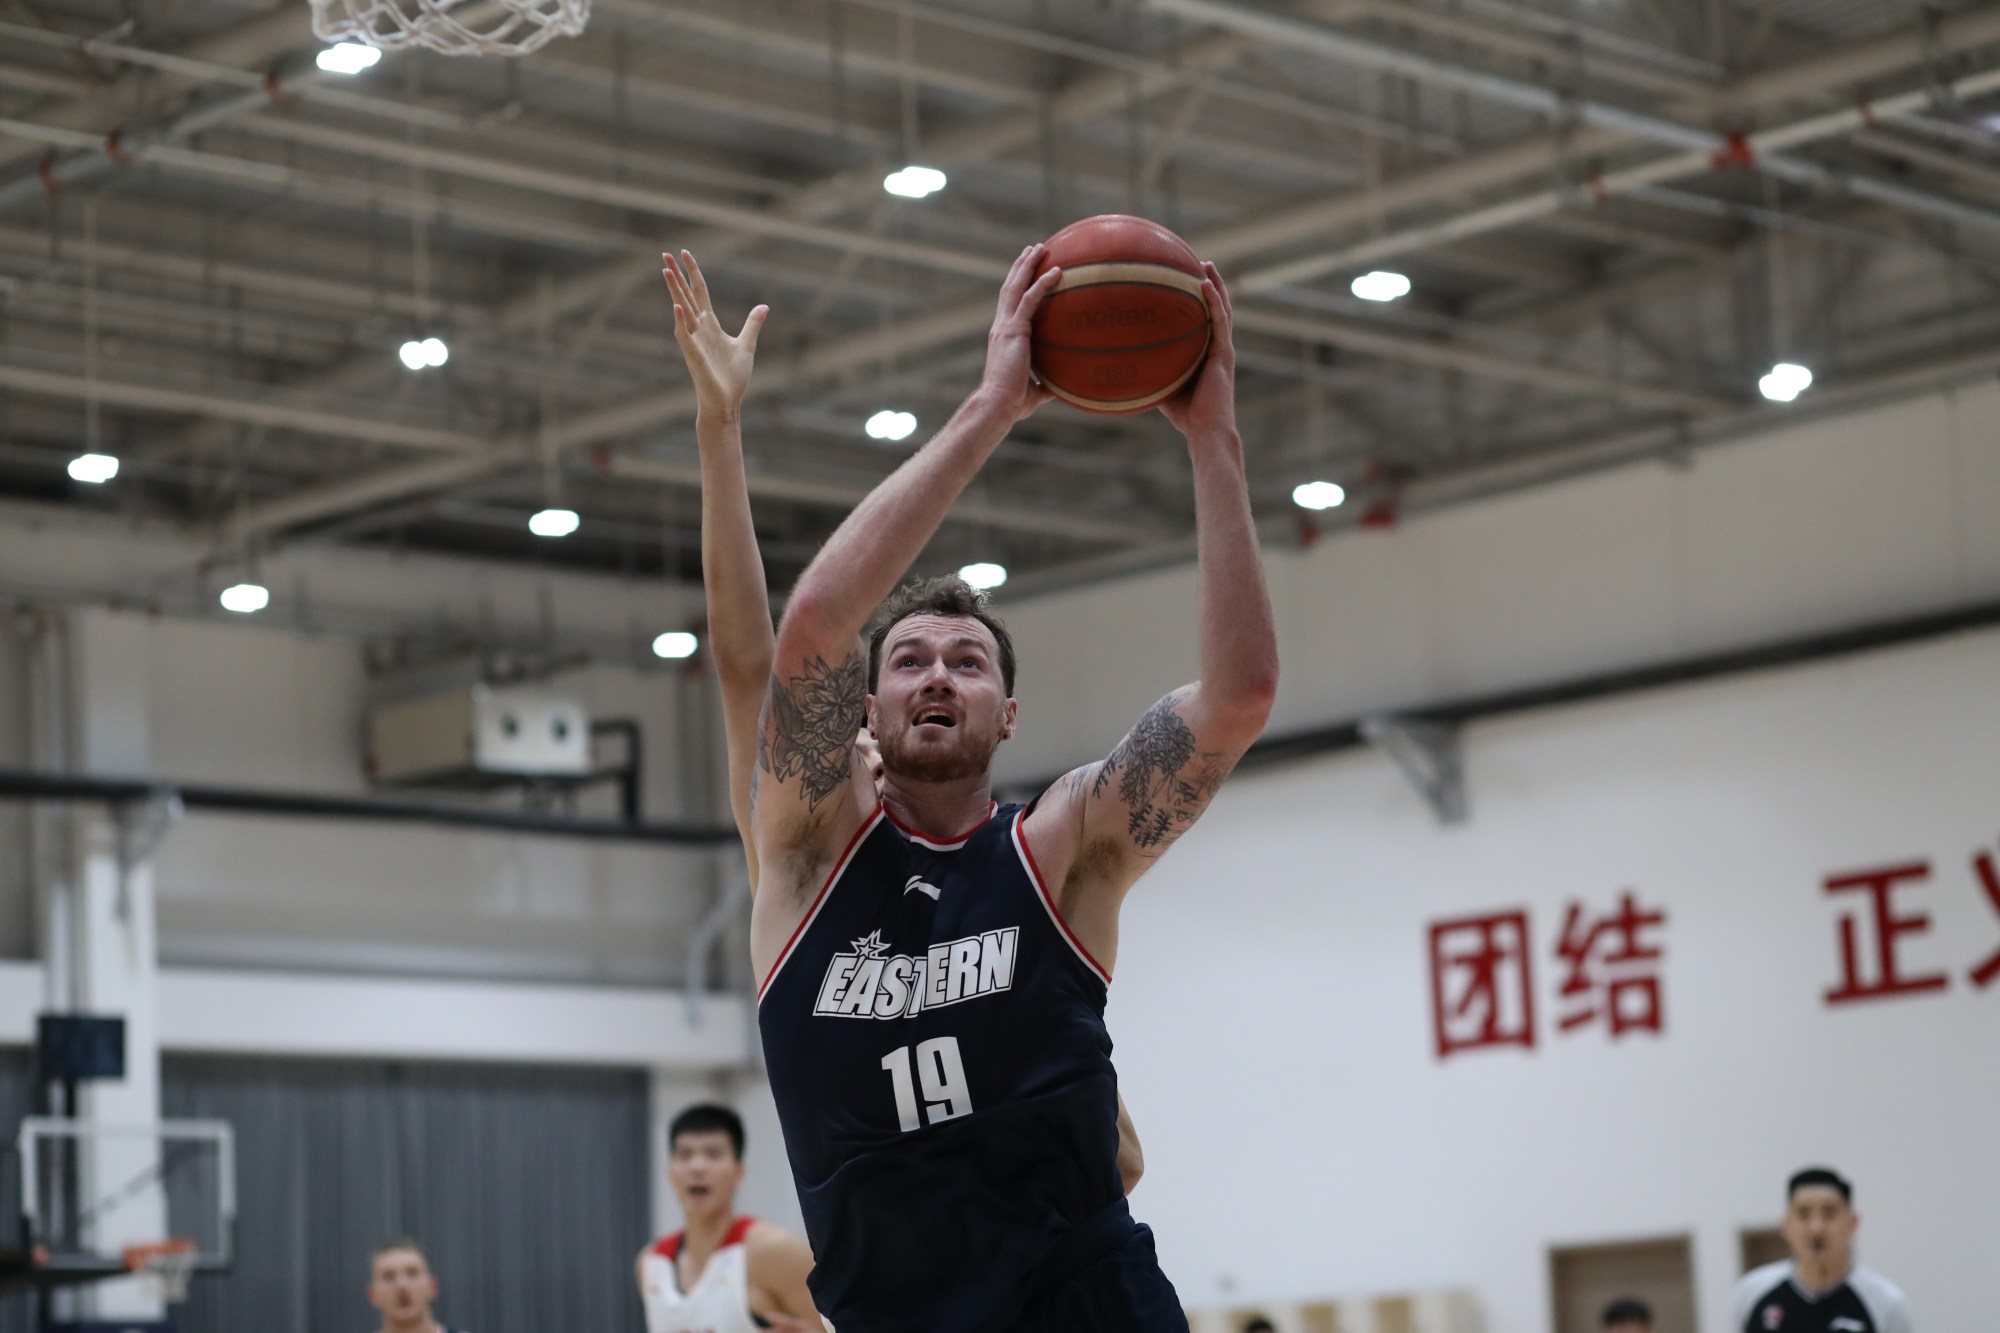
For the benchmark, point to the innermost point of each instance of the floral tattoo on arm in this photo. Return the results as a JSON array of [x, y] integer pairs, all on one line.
[[809, 726], [1164, 779]]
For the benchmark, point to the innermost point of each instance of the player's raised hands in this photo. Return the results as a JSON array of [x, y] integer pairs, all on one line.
[[1007, 383], [1206, 410], [720, 364]]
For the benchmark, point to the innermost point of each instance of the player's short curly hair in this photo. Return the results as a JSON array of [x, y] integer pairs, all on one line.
[[944, 595]]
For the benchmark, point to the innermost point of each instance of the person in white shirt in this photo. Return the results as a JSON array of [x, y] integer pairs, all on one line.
[[722, 1272]]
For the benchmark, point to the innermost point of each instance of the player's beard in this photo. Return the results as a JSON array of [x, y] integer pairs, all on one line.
[[969, 758]]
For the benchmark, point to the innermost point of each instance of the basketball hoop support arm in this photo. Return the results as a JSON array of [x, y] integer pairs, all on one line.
[[142, 825], [1431, 757]]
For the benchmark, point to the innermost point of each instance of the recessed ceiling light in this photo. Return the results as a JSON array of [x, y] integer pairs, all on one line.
[[347, 58], [1318, 495], [423, 353], [554, 523], [891, 425], [93, 468], [245, 598], [1381, 285], [983, 574], [914, 182], [675, 644], [1785, 381]]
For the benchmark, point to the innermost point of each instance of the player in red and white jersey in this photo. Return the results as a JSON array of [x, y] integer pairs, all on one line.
[[721, 1273]]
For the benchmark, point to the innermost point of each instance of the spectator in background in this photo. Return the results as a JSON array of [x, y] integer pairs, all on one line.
[[1819, 1289], [1260, 1325], [400, 1285], [1628, 1314]]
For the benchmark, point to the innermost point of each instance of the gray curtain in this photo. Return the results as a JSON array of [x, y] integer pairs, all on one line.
[[17, 1309], [527, 1188]]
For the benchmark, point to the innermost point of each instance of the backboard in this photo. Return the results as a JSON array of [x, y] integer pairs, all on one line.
[[90, 1193]]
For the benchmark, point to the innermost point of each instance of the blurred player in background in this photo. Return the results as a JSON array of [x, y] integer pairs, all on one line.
[[1819, 1289], [722, 1272], [401, 1286]]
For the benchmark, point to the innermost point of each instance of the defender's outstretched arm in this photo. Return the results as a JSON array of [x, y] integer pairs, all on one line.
[[740, 636], [819, 675]]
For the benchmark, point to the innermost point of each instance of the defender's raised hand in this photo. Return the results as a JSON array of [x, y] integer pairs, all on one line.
[[1007, 384], [719, 363], [1206, 409]]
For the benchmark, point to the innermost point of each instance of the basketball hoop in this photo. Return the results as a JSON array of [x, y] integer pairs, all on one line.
[[165, 1266], [451, 27]]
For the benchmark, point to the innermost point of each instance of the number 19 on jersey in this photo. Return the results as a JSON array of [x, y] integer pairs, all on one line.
[[940, 1072]]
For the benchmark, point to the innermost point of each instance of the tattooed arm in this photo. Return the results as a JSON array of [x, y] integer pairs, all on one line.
[[1095, 832], [803, 806]]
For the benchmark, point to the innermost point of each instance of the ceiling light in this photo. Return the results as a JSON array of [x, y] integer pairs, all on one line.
[[888, 425], [914, 182], [1318, 495], [418, 354], [244, 598], [984, 574], [554, 523], [93, 468], [1381, 285], [347, 58], [1784, 382], [675, 643]]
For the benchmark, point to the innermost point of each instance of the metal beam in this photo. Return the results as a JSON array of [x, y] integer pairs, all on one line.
[[1453, 180], [253, 43], [679, 205], [1047, 520], [1542, 203], [1477, 361], [252, 408], [977, 140], [1704, 146]]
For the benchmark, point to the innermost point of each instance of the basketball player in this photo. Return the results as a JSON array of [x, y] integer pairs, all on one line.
[[401, 1286], [721, 1273], [935, 966], [1819, 1288], [732, 569]]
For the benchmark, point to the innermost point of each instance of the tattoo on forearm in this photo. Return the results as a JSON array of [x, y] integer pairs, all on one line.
[[1163, 779], [808, 735]]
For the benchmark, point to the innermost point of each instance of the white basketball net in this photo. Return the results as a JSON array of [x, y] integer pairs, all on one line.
[[453, 27], [167, 1273]]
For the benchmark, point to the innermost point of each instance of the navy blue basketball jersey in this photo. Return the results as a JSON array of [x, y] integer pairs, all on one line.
[[936, 1045]]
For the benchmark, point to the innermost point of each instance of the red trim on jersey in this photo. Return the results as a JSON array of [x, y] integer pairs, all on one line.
[[840, 866], [669, 1247], [943, 844], [1049, 901]]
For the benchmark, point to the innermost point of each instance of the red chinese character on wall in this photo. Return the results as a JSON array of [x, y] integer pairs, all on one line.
[[1482, 993], [1614, 975], [1987, 972], [1886, 978]]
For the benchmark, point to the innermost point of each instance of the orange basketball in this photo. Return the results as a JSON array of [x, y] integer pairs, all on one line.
[[1125, 327]]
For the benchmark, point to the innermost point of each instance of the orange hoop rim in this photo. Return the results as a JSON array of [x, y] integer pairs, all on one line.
[[146, 1254]]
